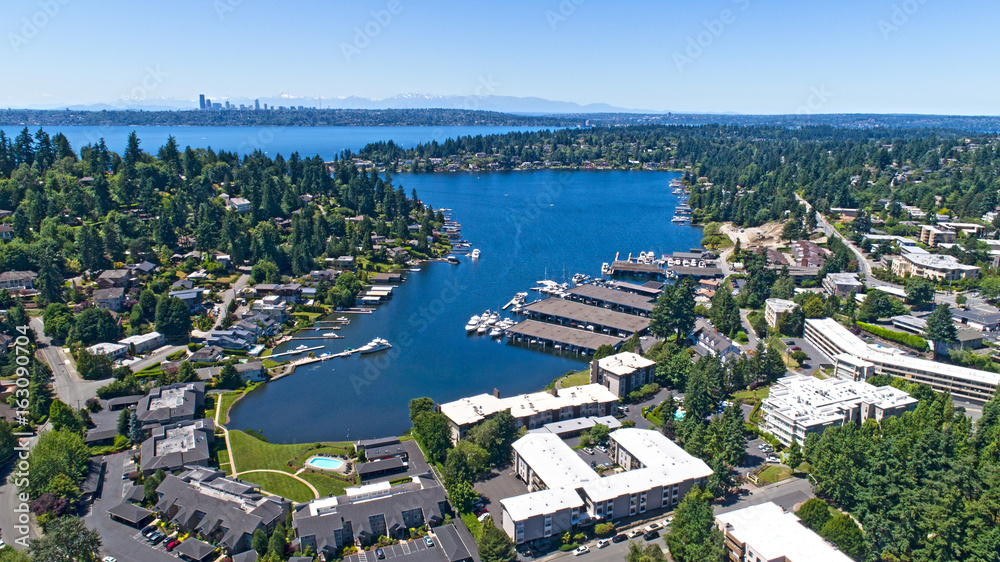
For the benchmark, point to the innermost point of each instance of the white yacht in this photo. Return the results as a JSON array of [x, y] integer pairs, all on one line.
[[474, 254], [679, 218], [377, 344], [482, 329], [301, 347], [496, 332], [472, 325]]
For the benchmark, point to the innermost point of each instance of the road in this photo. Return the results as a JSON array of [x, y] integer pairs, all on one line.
[[229, 295], [9, 501], [68, 385], [158, 356]]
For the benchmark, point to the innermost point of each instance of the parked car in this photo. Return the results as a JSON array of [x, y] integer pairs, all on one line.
[[651, 535], [582, 549], [603, 543], [480, 510], [428, 541], [789, 342], [588, 450], [796, 348], [653, 527], [773, 459], [158, 539], [593, 464], [148, 529], [620, 537], [109, 559], [153, 535], [380, 553], [172, 545], [483, 517], [634, 533]]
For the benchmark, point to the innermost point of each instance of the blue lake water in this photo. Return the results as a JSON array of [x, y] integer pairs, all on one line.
[[307, 141], [528, 225]]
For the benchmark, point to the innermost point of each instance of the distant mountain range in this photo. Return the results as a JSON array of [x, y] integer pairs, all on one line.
[[503, 104]]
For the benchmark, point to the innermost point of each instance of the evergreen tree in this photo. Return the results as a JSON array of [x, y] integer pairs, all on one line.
[[135, 432], [495, 545], [693, 535], [941, 328]]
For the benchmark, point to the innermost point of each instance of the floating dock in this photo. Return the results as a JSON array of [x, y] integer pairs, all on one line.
[[629, 303], [580, 315], [333, 337], [621, 267], [293, 352], [570, 339]]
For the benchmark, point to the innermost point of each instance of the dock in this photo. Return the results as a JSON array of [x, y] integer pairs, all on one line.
[[621, 267], [333, 337], [579, 315], [570, 339], [629, 303], [294, 352]]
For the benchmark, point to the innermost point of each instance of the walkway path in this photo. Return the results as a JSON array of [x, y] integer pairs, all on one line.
[[232, 458]]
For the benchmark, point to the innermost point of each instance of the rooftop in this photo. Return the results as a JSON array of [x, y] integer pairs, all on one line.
[[557, 465], [541, 502], [780, 305], [810, 401], [938, 261], [777, 535], [624, 363], [605, 294], [585, 339], [588, 314]]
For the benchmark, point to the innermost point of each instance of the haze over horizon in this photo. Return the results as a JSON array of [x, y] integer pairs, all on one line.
[[722, 56]]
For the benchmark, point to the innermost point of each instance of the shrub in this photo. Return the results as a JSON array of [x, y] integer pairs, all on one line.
[[94, 405], [909, 340], [604, 529]]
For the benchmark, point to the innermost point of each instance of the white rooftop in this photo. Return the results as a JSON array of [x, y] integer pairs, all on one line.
[[624, 363], [653, 449], [938, 261], [541, 502], [844, 278], [553, 461], [780, 305], [105, 348], [477, 408], [810, 401], [774, 533], [140, 339]]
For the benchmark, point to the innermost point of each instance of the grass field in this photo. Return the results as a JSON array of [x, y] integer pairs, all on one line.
[[326, 485], [284, 486], [773, 474], [753, 395], [576, 379], [253, 454]]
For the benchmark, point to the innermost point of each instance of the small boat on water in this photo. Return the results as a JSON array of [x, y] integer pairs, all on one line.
[[679, 218], [474, 254], [329, 335], [482, 329], [343, 319], [453, 260], [472, 326], [496, 332], [301, 347], [377, 344]]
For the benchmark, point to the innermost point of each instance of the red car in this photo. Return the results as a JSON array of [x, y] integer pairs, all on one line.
[[795, 348], [172, 545], [481, 510]]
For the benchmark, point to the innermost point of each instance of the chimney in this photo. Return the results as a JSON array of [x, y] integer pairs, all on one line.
[[496, 393], [555, 391]]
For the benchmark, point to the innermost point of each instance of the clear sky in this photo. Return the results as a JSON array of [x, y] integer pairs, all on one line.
[[747, 56]]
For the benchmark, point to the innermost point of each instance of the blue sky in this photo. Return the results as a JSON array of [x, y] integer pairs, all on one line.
[[780, 56]]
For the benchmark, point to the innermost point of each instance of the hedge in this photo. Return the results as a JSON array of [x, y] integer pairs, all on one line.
[[909, 340]]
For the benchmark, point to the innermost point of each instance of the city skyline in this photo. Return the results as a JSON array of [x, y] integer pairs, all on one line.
[[724, 56]]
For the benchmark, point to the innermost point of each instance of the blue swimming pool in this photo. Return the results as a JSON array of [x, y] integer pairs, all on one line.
[[325, 463]]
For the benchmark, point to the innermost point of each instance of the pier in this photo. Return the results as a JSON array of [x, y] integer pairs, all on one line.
[[570, 339], [333, 337], [581, 316], [294, 352], [620, 267], [629, 303]]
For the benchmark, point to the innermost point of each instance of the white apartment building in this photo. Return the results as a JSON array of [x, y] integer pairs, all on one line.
[[968, 384], [774, 309], [932, 266], [798, 405], [767, 533]]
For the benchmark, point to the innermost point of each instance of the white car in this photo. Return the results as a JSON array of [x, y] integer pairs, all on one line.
[[109, 559], [653, 527], [773, 459], [603, 543], [581, 550], [634, 533]]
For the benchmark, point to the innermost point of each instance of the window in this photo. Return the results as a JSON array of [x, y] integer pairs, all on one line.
[[548, 525], [519, 532]]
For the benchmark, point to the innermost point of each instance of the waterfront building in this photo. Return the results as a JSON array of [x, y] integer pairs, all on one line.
[[623, 372], [767, 533]]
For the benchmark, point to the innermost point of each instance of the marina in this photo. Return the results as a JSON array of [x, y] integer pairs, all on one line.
[[593, 318], [560, 337], [628, 303]]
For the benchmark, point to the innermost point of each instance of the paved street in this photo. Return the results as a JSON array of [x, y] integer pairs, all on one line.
[[9, 501], [68, 385], [159, 356], [229, 295]]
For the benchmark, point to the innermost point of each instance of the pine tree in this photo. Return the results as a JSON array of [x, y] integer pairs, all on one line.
[[693, 535], [941, 328], [495, 545], [135, 431]]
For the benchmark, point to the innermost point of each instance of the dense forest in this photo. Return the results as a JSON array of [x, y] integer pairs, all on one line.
[[307, 117]]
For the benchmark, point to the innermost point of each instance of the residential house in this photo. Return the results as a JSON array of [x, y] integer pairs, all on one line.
[[224, 510], [207, 354], [709, 340], [138, 345], [239, 204], [6, 232], [174, 446], [110, 299], [17, 279], [116, 278]]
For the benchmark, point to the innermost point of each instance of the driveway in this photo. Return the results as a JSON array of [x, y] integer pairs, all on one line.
[[67, 383], [158, 356], [117, 539], [229, 295], [9, 501]]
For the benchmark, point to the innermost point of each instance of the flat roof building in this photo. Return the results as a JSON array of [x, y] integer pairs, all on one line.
[[177, 445], [933, 235], [575, 314], [842, 284], [932, 266], [767, 533], [622, 373], [530, 410], [170, 404], [774, 309], [798, 405], [968, 384], [622, 301], [141, 344], [543, 461]]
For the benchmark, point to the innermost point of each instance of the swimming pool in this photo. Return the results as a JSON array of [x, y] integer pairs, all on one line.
[[325, 463]]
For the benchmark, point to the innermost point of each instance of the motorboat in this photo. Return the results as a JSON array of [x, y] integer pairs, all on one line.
[[471, 326], [453, 260], [482, 329], [678, 218], [377, 344], [496, 332], [474, 254], [301, 347], [329, 334]]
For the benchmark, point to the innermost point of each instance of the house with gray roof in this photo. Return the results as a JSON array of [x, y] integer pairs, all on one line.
[[709, 340], [367, 512], [17, 279], [207, 354], [116, 278], [177, 445], [165, 405], [111, 298], [223, 510]]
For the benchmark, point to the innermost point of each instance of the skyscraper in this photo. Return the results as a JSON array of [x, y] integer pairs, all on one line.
[[208, 103], [256, 105], [201, 101]]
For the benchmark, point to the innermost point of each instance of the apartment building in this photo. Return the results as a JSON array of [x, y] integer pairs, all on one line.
[[622, 373], [932, 266], [767, 533], [934, 235], [774, 309]]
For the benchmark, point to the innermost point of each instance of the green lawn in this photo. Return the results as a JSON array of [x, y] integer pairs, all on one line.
[[576, 379], [284, 486], [773, 474], [326, 485], [753, 395]]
